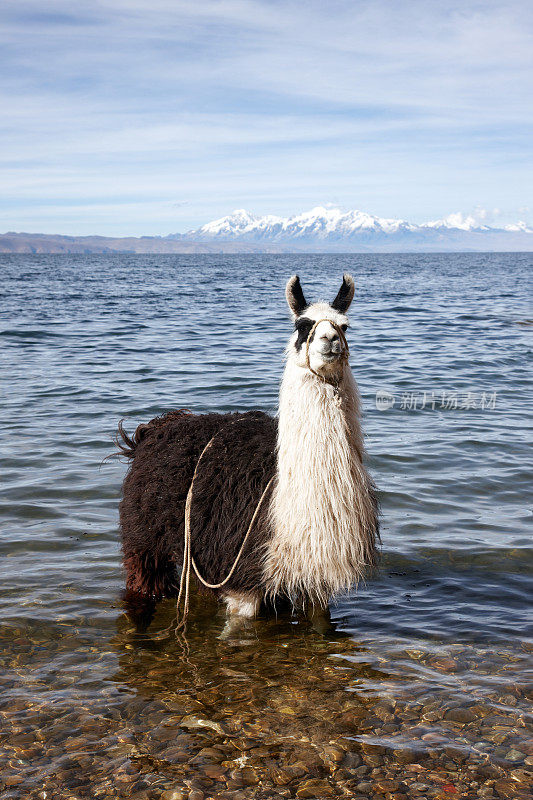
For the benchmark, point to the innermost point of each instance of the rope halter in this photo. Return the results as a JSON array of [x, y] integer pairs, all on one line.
[[345, 349]]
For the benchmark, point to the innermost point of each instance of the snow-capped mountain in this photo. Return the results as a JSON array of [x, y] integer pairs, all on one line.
[[320, 222], [459, 222], [329, 228]]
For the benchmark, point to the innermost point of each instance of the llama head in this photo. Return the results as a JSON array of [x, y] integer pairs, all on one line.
[[325, 347]]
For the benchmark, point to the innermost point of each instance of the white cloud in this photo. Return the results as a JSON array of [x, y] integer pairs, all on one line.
[[407, 109]]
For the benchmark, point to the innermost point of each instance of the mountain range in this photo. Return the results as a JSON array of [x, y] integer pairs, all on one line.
[[327, 228], [322, 229]]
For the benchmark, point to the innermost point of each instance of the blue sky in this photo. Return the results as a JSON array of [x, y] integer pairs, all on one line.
[[124, 118]]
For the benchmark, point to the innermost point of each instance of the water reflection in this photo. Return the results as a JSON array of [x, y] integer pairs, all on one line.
[[264, 703], [274, 703], [269, 709]]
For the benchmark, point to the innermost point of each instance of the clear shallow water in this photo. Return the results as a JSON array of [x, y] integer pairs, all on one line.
[[422, 689]]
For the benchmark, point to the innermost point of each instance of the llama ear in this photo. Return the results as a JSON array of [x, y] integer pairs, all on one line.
[[345, 294], [295, 296]]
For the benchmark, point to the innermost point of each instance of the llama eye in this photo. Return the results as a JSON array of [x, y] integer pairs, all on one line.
[[344, 328], [303, 325]]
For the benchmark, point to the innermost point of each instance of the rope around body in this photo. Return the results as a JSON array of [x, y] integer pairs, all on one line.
[[188, 560]]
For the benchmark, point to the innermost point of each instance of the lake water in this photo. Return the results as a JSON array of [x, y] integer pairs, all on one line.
[[421, 688]]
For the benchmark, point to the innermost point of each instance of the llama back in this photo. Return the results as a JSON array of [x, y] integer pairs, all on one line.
[[230, 480]]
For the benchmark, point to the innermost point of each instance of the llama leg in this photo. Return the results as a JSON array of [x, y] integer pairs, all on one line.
[[140, 608], [148, 579], [320, 619], [242, 605], [153, 577]]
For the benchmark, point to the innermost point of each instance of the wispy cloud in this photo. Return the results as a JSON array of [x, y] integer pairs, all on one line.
[[401, 109]]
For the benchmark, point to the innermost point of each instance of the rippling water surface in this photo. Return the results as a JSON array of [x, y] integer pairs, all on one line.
[[420, 689]]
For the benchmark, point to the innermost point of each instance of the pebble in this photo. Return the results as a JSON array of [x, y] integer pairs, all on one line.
[[333, 754], [352, 760], [514, 755], [444, 664], [314, 788], [522, 776], [214, 771], [455, 754], [249, 776], [280, 776], [505, 788], [176, 754], [405, 756], [383, 785], [486, 792], [296, 770], [13, 780], [461, 715], [193, 723]]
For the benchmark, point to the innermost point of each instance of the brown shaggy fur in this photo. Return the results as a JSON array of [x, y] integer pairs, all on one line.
[[232, 476]]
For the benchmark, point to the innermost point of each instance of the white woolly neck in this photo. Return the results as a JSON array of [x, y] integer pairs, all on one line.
[[321, 506]]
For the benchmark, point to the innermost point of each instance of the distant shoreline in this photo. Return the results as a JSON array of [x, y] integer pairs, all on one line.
[[41, 243]]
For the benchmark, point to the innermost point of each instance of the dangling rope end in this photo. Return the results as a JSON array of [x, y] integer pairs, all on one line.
[[182, 609]]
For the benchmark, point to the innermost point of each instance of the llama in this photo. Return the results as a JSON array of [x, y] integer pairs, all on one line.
[[295, 486]]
